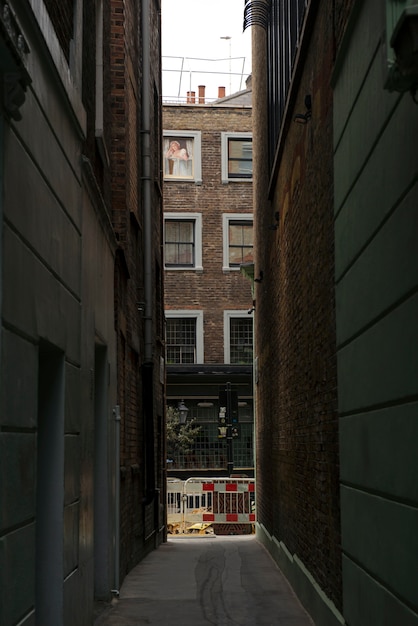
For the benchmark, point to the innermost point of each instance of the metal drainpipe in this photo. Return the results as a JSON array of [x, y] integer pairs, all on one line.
[[116, 415], [148, 405], [146, 177]]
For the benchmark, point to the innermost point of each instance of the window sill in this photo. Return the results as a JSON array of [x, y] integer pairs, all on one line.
[[226, 181], [198, 269], [226, 270], [179, 179]]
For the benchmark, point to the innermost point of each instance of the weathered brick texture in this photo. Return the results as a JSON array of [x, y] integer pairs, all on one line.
[[213, 291], [140, 429], [298, 471]]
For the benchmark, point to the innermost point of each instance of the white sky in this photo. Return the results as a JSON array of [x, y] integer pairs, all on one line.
[[191, 40]]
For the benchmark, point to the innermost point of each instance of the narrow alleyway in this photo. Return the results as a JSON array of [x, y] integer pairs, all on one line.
[[198, 581]]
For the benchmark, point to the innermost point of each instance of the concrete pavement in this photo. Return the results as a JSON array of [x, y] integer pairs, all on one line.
[[203, 581]]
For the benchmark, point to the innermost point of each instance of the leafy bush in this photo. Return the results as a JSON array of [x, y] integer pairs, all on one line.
[[180, 437]]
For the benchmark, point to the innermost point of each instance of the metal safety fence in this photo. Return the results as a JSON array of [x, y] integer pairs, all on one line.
[[210, 504]]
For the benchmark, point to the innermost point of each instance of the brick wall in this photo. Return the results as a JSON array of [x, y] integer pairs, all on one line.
[[124, 187], [298, 466], [137, 423], [213, 291]]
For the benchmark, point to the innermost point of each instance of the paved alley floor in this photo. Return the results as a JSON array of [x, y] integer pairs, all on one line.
[[206, 580]]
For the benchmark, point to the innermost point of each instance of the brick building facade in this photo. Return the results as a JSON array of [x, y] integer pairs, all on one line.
[[81, 304], [137, 218], [208, 235]]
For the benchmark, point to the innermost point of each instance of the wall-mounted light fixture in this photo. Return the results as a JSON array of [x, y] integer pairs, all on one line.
[[303, 118], [183, 410]]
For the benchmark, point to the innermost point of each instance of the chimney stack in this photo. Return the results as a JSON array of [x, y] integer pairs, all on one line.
[[221, 92], [201, 94], [191, 97]]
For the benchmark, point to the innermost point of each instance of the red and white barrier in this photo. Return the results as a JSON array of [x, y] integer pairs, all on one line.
[[210, 501]]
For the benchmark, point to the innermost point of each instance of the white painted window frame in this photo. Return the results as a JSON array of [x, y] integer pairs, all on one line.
[[196, 135], [198, 316], [197, 217], [224, 157], [228, 314], [226, 218]]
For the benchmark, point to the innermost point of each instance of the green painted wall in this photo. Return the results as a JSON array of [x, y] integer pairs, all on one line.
[[376, 237]]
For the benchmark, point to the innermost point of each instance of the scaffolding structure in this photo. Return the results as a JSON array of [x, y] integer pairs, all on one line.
[[185, 74]]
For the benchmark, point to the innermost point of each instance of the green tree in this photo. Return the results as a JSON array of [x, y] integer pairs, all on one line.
[[180, 437]]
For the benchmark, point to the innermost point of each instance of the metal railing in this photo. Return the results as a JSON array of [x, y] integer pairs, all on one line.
[[199, 503]]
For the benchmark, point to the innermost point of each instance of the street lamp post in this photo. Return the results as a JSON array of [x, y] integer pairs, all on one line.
[[228, 420], [228, 38], [183, 410], [229, 442]]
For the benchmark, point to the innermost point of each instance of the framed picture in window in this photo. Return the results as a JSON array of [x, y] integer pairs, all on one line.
[[181, 156]]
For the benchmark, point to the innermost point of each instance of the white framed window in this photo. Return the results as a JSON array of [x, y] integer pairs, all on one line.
[[183, 241], [237, 157], [184, 336], [237, 231], [238, 337], [182, 155]]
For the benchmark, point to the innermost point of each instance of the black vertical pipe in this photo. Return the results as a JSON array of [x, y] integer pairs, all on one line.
[[149, 448], [230, 451]]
